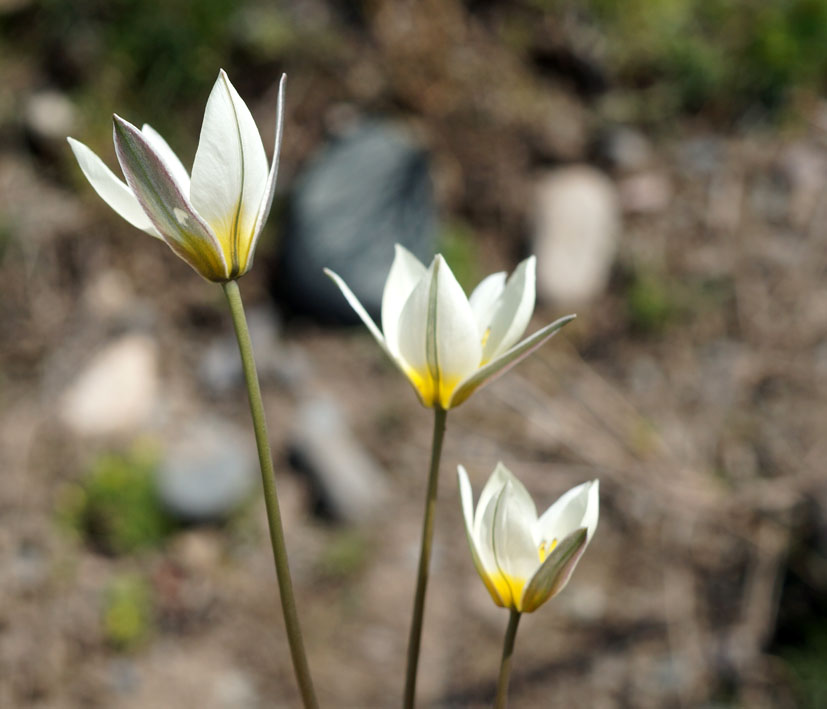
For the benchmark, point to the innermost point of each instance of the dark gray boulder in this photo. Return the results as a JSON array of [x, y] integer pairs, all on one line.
[[364, 192]]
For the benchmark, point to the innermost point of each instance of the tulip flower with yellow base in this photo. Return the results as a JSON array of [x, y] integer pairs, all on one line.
[[212, 219], [524, 560], [446, 344]]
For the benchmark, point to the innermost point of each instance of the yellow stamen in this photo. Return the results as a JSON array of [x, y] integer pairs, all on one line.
[[545, 549]]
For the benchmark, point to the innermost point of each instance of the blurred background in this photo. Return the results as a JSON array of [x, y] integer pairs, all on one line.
[[666, 161]]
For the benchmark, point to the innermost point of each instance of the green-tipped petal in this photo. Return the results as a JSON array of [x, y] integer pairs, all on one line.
[[514, 309], [555, 572], [229, 174], [162, 200], [111, 189], [506, 361]]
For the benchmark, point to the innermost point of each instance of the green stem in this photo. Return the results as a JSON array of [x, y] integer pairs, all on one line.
[[265, 459], [415, 638], [505, 663]]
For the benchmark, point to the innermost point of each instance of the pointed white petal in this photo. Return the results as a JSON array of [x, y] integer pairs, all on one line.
[[160, 197], [579, 507], [406, 271], [174, 165], [484, 517], [513, 310], [413, 336], [484, 299], [229, 175], [555, 571], [485, 567], [111, 190], [506, 361], [270, 187], [452, 339], [354, 303], [514, 550]]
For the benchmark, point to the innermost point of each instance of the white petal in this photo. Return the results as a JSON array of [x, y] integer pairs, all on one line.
[[514, 549], [160, 197], [484, 516], [501, 364], [406, 271], [579, 507], [513, 311], [270, 187], [354, 303], [482, 555], [484, 299], [437, 332], [229, 175], [174, 165], [111, 190]]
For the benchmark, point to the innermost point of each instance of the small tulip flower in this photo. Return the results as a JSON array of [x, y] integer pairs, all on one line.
[[212, 219], [449, 345], [523, 560]]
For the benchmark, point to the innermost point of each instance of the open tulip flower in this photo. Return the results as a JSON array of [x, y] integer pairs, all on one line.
[[212, 219], [449, 345], [523, 560]]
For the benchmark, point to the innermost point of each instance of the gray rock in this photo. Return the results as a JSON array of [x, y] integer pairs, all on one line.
[[366, 191], [576, 228], [349, 483], [220, 366], [626, 149], [207, 472], [116, 392]]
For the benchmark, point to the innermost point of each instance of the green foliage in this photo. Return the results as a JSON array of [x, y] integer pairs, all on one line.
[[116, 507], [456, 243], [807, 662], [649, 303], [725, 55], [127, 611], [345, 556]]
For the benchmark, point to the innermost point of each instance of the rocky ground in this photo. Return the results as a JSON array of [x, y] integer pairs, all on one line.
[[691, 384]]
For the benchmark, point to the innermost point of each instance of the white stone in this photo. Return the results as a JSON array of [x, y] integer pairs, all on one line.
[[576, 228], [50, 115], [116, 391]]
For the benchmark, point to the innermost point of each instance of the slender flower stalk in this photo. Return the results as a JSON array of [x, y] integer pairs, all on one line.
[[505, 664], [448, 345], [415, 638], [268, 480]]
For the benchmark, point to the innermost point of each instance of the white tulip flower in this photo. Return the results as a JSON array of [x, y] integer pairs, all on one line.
[[449, 345], [523, 560], [213, 219]]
